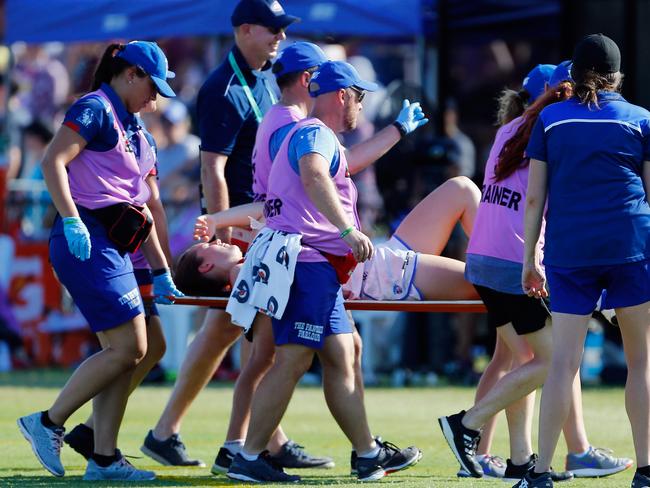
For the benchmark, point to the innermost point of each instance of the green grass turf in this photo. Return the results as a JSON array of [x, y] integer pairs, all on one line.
[[403, 416]]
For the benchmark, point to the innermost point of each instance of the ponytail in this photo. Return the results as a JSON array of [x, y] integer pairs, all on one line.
[[589, 83], [512, 155], [110, 65], [511, 105]]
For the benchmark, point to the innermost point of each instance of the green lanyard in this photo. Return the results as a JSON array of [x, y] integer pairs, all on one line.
[[247, 90]]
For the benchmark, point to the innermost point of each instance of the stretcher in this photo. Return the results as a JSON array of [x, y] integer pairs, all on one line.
[[475, 306]]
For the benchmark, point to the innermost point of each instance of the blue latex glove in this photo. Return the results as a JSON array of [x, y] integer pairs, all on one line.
[[163, 286], [77, 236], [411, 116]]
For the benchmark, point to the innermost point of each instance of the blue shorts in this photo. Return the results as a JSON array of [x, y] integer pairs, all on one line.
[[145, 282], [315, 309], [104, 286], [577, 290]]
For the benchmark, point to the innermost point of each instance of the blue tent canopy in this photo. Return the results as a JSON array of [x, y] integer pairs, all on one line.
[[72, 20]]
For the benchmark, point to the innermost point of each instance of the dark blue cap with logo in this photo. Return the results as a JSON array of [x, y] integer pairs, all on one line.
[[561, 73], [268, 13], [149, 58], [535, 81], [333, 75], [299, 56]]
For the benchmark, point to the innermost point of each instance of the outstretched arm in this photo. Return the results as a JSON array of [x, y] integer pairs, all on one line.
[[206, 225], [362, 155]]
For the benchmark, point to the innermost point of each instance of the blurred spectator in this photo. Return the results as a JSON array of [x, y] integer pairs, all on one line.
[[43, 82], [179, 153], [465, 163]]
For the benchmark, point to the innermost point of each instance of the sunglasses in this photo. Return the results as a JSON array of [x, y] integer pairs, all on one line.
[[275, 30], [360, 93]]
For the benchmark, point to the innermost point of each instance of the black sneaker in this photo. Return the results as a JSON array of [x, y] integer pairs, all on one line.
[[544, 480], [640, 481], [294, 456], [515, 472], [389, 460], [262, 470], [223, 461], [353, 458], [82, 440], [463, 442], [170, 452]]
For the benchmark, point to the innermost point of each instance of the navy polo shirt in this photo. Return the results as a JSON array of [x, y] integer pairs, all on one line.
[[92, 118], [597, 213], [227, 123]]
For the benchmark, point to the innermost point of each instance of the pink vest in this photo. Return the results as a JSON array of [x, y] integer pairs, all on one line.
[[100, 179], [499, 225], [289, 208], [278, 116]]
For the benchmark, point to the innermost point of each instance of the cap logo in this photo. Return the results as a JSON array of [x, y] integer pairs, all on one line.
[[276, 8], [526, 80], [313, 86]]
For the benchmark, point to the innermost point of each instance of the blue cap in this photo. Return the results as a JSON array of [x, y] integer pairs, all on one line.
[[299, 56], [333, 75], [535, 81], [149, 58], [268, 13], [561, 73]]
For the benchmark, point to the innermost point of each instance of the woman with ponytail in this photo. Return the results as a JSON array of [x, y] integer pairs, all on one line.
[[95, 170], [589, 175]]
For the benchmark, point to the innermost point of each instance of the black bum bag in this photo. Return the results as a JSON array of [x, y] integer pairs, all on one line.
[[127, 226]]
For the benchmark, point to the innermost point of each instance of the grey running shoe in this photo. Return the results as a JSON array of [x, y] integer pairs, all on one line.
[[120, 470], [493, 467], [223, 461], [597, 462], [462, 441], [542, 481], [262, 470], [82, 440], [294, 456], [389, 460], [46, 443], [640, 481], [170, 452]]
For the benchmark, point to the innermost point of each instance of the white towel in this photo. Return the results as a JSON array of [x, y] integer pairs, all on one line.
[[265, 279]]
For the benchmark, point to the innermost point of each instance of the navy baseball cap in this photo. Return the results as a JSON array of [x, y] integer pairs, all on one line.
[[149, 58], [597, 52], [561, 73], [268, 13], [299, 56], [333, 75], [535, 81]]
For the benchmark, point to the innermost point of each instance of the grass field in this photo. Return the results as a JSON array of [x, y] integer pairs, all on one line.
[[403, 416]]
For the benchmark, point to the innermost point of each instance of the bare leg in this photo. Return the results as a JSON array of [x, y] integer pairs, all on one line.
[[128, 345], [427, 227], [155, 351], [203, 357], [569, 333], [274, 392], [634, 323], [344, 399], [515, 386], [498, 366], [440, 278], [358, 352], [574, 430]]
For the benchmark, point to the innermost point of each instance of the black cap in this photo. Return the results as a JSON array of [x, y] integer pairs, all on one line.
[[268, 13], [597, 52]]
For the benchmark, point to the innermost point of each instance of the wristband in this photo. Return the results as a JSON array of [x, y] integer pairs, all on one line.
[[159, 272], [346, 232], [400, 128]]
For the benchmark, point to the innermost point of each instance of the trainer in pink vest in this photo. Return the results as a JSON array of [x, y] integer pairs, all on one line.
[[289, 208]]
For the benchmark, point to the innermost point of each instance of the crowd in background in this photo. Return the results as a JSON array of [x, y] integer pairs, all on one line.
[[45, 79]]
